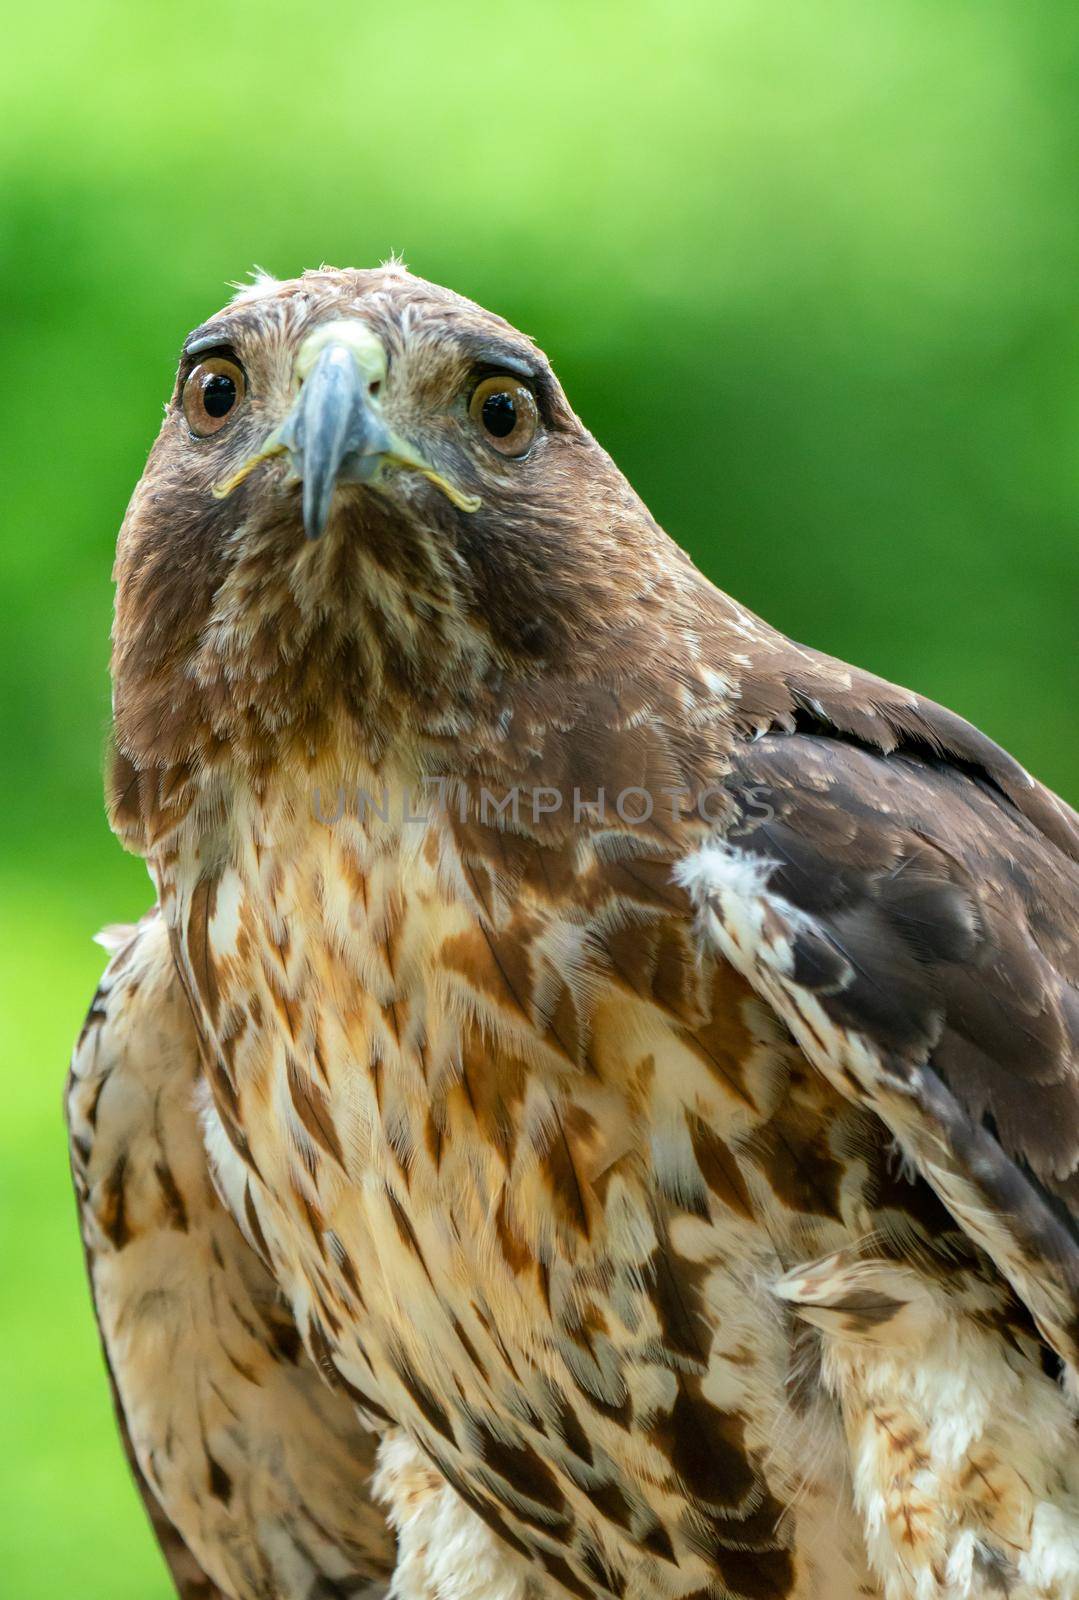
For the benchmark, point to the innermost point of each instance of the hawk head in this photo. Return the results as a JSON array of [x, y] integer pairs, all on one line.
[[369, 499]]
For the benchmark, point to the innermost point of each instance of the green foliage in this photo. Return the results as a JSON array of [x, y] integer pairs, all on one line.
[[807, 270]]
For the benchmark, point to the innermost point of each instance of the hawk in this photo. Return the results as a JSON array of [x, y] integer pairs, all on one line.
[[594, 1108]]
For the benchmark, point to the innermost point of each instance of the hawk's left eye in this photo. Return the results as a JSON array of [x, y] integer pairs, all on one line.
[[504, 409], [212, 391]]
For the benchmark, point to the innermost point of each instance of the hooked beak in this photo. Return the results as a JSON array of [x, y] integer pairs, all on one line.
[[335, 432]]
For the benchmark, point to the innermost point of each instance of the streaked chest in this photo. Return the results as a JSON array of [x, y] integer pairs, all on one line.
[[520, 1162]]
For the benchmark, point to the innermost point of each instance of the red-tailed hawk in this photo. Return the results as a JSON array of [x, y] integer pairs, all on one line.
[[610, 1070]]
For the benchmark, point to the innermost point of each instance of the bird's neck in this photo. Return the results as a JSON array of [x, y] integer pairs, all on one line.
[[317, 707]]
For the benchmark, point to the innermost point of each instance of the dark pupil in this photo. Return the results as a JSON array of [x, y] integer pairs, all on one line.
[[500, 414], [218, 395]]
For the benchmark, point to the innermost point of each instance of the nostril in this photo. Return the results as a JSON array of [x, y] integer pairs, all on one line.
[[374, 386]]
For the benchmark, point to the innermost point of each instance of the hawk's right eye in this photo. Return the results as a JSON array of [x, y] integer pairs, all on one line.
[[212, 392]]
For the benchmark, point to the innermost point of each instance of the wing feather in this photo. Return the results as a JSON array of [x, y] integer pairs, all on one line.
[[915, 929], [253, 1472]]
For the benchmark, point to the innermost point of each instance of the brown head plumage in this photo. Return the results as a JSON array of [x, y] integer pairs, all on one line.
[[235, 629]]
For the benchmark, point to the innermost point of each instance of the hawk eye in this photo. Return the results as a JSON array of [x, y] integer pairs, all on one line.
[[504, 409], [212, 391]]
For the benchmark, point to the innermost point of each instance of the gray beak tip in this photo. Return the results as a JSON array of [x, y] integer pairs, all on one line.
[[316, 507], [334, 435]]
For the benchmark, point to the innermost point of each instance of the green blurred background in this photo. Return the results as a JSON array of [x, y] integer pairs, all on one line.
[[808, 270]]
